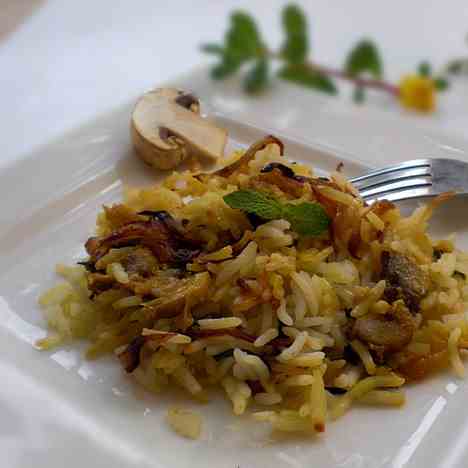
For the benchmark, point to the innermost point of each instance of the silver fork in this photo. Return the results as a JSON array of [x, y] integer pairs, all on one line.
[[418, 178]]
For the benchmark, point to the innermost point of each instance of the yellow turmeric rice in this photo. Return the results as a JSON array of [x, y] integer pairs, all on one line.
[[284, 290]]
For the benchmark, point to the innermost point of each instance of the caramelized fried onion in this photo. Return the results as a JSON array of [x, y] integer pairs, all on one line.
[[161, 234]]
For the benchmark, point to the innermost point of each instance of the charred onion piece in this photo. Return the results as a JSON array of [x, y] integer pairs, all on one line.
[[89, 265], [166, 240], [99, 282], [336, 390], [241, 164], [255, 386], [167, 219], [284, 178], [380, 207], [288, 172], [130, 356], [285, 170], [405, 279], [276, 178]]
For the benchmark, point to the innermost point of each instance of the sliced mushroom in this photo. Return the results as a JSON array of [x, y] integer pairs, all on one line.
[[388, 333], [140, 261], [167, 127], [405, 279], [175, 293]]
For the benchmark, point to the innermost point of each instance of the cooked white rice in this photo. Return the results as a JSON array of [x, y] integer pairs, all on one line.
[[303, 326]]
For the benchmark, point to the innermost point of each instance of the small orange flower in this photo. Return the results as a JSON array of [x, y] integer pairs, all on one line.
[[417, 93]]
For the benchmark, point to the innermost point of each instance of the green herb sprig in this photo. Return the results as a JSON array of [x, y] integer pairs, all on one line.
[[244, 49], [307, 219]]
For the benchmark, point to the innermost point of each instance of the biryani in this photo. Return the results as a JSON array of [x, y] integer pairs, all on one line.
[[284, 290]]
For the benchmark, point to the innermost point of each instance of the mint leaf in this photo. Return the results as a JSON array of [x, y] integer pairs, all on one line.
[[456, 67], [307, 219], [227, 67], [256, 78], [241, 43], [441, 84], [425, 69], [307, 76], [254, 202], [295, 49], [294, 20], [296, 43], [364, 57], [242, 40]]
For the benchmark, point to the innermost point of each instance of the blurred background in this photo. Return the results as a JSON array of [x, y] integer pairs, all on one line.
[[65, 62]]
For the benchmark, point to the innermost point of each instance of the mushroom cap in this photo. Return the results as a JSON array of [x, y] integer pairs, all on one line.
[[166, 128]]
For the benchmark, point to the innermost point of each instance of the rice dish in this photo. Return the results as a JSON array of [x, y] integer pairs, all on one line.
[[297, 305]]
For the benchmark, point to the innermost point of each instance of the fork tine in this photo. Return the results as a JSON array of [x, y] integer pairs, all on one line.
[[420, 192], [398, 167], [395, 186], [414, 179], [381, 179]]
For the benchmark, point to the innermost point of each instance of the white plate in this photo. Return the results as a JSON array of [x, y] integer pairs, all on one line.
[[57, 409]]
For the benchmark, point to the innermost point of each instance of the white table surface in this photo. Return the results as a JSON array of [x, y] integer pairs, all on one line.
[[64, 62]]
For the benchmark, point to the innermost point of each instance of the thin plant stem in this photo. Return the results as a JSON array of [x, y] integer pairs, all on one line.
[[340, 74]]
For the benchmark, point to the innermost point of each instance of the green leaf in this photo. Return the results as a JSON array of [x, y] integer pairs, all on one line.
[[214, 49], [456, 66], [241, 44], [364, 57], [359, 94], [242, 40], [254, 202], [425, 69], [294, 19], [296, 44], [307, 219], [256, 78], [295, 49], [441, 84], [228, 66], [306, 76]]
